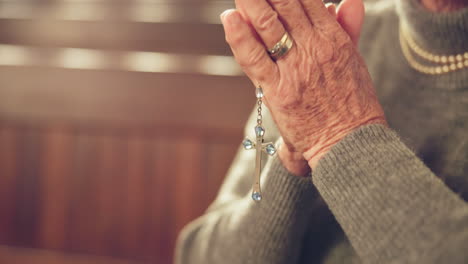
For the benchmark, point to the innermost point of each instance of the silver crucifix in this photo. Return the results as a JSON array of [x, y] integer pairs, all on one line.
[[260, 147]]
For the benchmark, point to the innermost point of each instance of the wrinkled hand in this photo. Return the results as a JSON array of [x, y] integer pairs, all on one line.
[[350, 15], [321, 90]]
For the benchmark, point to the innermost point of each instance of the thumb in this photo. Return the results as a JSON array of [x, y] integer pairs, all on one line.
[[350, 15]]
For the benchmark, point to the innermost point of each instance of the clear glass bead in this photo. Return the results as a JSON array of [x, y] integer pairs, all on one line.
[[248, 144], [259, 131], [256, 196], [259, 92], [270, 149]]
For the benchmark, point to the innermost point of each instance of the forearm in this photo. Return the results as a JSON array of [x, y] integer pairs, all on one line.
[[244, 231], [391, 206]]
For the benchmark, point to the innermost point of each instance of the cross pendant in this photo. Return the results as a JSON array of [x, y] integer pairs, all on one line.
[[260, 147]]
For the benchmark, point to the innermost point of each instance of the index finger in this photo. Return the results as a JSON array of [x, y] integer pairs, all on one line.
[[264, 19]]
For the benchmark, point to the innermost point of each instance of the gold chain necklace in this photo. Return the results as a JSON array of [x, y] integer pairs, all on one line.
[[443, 63]]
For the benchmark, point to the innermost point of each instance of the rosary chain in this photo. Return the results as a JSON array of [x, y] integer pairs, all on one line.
[[259, 111]]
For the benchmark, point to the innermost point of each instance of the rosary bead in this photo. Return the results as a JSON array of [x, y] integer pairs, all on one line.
[[259, 131], [270, 149], [248, 144], [259, 92], [256, 196]]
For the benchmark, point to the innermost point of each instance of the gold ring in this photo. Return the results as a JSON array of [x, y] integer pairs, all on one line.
[[282, 47]]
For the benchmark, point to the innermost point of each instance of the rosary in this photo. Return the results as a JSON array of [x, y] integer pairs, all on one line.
[[259, 146]]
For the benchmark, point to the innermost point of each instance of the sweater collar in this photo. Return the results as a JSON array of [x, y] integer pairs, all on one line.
[[444, 33], [439, 33]]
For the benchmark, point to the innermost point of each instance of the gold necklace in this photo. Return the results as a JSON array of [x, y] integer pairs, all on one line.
[[444, 63]]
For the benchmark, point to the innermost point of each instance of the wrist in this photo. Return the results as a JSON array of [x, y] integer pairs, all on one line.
[[293, 161], [320, 148]]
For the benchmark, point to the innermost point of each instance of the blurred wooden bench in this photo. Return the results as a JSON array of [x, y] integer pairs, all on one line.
[[106, 165], [36, 256]]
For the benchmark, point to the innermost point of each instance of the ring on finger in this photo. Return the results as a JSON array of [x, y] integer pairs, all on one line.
[[282, 47]]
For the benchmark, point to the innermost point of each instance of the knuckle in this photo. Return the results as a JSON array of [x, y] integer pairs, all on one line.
[[253, 58], [281, 4], [325, 54], [266, 20], [234, 39]]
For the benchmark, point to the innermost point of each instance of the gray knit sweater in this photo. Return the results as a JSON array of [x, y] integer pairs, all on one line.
[[380, 195]]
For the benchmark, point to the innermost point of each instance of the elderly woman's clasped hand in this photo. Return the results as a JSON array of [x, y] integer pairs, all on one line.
[[317, 93]]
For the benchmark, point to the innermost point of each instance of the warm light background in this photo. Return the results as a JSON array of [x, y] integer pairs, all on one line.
[[118, 121]]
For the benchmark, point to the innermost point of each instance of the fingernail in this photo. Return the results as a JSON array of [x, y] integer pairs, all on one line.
[[224, 13], [331, 7], [234, 17]]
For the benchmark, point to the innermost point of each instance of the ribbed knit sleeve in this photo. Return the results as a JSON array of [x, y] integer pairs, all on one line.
[[244, 231], [235, 229], [392, 208]]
